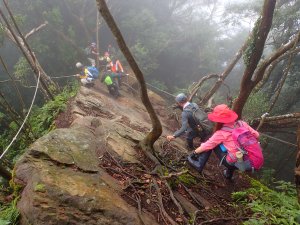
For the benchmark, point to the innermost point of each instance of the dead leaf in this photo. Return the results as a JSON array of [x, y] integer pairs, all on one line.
[[148, 201], [178, 219], [148, 176]]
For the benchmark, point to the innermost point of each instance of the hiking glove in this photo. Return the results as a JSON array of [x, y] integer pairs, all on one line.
[[194, 156]]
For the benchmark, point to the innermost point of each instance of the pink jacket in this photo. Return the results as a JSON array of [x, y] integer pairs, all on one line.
[[225, 138]]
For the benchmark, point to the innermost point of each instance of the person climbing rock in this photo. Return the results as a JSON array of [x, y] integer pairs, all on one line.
[[234, 142], [189, 125], [110, 79], [88, 74]]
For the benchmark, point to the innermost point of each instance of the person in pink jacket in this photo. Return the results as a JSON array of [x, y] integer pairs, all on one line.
[[221, 142]]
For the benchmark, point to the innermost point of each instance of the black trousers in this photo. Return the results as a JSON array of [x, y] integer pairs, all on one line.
[[192, 134], [204, 156], [113, 90]]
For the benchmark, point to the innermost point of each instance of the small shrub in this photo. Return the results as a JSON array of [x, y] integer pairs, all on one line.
[[9, 214], [270, 206]]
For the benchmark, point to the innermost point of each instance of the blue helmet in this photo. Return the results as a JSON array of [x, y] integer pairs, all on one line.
[[181, 98]]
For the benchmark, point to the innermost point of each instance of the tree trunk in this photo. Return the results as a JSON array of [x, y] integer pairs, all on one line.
[[297, 169], [253, 54], [5, 173], [14, 85], [156, 125], [224, 75], [276, 122], [47, 83]]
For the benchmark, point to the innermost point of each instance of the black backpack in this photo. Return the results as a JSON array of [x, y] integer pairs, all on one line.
[[204, 125]]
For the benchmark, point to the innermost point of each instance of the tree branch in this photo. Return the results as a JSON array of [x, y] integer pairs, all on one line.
[[34, 30], [156, 125]]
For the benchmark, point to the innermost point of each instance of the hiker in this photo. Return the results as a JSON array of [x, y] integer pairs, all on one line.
[[92, 53], [87, 74], [111, 50], [118, 69], [109, 78], [234, 142], [189, 122], [105, 59]]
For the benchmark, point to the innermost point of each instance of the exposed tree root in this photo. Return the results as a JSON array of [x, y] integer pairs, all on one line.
[[161, 206]]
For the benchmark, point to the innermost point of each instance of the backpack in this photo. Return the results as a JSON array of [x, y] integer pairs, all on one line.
[[108, 81], [204, 125], [94, 71], [247, 144]]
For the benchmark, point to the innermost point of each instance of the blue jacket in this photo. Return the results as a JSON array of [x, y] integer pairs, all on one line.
[[187, 120]]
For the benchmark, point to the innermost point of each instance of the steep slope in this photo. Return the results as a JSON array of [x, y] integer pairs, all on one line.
[[90, 171]]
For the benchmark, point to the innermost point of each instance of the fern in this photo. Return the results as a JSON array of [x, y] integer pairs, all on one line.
[[270, 206], [9, 215]]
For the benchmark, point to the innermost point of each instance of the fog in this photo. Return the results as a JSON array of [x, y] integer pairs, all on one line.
[[175, 43]]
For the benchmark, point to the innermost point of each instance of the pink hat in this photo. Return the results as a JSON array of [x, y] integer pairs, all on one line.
[[222, 114]]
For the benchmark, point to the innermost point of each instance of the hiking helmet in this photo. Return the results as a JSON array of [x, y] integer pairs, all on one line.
[[93, 44], [181, 98], [79, 65]]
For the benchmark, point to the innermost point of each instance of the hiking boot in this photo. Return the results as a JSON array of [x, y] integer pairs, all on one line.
[[228, 174]]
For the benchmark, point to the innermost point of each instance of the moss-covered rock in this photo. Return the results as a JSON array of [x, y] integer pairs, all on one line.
[[64, 185]]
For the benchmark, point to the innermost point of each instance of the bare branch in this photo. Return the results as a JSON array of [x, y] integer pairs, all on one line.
[[34, 30], [224, 75], [199, 84], [275, 122]]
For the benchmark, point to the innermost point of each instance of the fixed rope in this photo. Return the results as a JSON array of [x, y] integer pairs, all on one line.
[[26, 117], [280, 140], [156, 88]]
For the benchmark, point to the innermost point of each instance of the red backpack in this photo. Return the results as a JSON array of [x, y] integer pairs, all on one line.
[[247, 143]]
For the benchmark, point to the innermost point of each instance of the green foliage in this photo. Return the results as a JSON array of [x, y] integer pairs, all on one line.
[[256, 106], [270, 206], [187, 179], [41, 122], [41, 119], [141, 53], [159, 84], [9, 214], [39, 187], [267, 176], [54, 16], [251, 48], [22, 69]]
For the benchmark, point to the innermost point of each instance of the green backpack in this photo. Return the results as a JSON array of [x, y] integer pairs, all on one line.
[[108, 81]]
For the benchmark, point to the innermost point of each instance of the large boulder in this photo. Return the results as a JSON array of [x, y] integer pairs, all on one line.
[[62, 183]]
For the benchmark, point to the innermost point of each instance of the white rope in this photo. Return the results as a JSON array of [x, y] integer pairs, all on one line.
[[156, 88], [277, 139], [33, 99], [64, 76]]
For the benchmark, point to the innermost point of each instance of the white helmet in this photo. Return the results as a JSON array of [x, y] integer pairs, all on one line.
[[79, 65]]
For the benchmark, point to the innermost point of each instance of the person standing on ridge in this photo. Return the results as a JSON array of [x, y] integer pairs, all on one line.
[[92, 53]]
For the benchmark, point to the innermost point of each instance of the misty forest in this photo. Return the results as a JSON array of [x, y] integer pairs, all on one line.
[[110, 110]]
